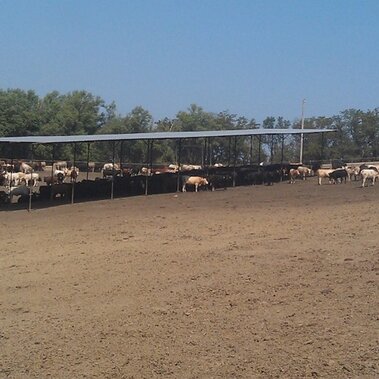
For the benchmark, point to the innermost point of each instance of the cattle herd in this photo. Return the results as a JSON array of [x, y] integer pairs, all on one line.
[[30, 179]]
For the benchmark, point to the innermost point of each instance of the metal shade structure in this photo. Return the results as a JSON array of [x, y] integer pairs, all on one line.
[[150, 138], [158, 135]]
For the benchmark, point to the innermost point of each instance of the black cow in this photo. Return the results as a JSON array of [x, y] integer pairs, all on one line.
[[219, 181], [338, 176]]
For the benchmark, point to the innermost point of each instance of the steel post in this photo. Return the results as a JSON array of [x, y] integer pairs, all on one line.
[[147, 168], [88, 146], [52, 171], [113, 171], [259, 149], [179, 157], [234, 161], [251, 150], [31, 182], [72, 179]]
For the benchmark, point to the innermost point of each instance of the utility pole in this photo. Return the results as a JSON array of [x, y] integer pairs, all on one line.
[[302, 135]]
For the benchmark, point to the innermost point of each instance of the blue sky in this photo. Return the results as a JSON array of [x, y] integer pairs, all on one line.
[[253, 58]]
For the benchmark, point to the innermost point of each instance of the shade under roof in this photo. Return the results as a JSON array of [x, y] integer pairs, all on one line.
[[157, 135]]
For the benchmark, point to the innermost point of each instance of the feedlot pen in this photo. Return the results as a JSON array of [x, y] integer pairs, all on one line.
[[251, 282]]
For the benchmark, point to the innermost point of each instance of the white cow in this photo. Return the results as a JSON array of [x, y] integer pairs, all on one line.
[[30, 179], [173, 167], [369, 173], [304, 171], [60, 165], [110, 166], [189, 167], [109, 169], [25, 168], [12, 178], [351, 171], [71, 173], [323, 173]]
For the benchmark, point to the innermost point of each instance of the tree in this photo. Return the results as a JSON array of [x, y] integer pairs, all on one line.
[[80, 112], [364, 130], [19, 115], [138, 120]]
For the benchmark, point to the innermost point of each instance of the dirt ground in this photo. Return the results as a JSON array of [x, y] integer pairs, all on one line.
[[251, 282]]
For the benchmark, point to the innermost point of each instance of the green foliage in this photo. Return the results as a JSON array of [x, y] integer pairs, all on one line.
[[80, 112], [19, 115]]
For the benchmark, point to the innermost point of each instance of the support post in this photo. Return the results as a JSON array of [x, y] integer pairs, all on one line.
[[302, 135], [72, 178], [179, 158], [322, 147], [210, 152], [88, 159], [10, 183], [229, 145], [251, 150], [112, 183], [272, 149], [31, 182], [52, 171], [234, 161], [281, 158], [259, 149], [204, 153], [151, 156], [147, 167], [121, 153]]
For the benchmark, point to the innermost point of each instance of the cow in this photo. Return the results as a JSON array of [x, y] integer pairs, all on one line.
[[12, 178], [30, 179], [365, 166], [61, 189], [110, 169], [219, 181], [58, 177], [39, 166], [189, 167], [369, 173], [91, 167], [196, 181], [21, 191], [294, 173], [338, 176], [60, 165], [304, 171], [351, 171], [323, 173], [145, 171], [270, 176], [173, 167], [71, 173], [7, 167], [111, 166], [25, 168]]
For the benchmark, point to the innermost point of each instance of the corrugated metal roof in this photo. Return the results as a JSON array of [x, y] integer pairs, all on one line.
[[157, 135]]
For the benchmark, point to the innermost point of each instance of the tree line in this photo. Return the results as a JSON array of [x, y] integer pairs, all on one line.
[[24, 113]]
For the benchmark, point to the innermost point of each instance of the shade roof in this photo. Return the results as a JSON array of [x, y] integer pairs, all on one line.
[[157, 135]]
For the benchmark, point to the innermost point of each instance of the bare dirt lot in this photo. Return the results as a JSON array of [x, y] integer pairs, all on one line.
[[251, 282]]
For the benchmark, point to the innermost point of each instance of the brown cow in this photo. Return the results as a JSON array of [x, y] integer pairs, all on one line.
[[293, 174], [196, 181]]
